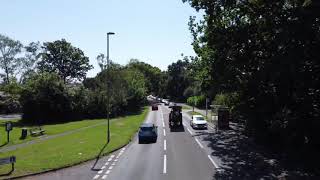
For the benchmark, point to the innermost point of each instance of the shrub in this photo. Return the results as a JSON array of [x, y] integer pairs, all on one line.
[[198, 101]]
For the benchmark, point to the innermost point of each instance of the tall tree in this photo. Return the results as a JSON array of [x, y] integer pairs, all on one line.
[[67, 61], [9, 49], [29, 62]]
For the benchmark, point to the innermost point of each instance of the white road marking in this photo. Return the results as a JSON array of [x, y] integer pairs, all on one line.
[[199, 143], [214, 164], [113, 164], [104, 176], [165, 145], [165, 164], [189, 131], [112, 156], [99, 172], [108, 172], [103, 167], [163, 125], [96, 177], [110, 159], [116, 160], [164, 132], [110, 167], [106, 163]]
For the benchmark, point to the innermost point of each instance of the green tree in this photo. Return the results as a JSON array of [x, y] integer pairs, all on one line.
[[9, 49], [62, 58]]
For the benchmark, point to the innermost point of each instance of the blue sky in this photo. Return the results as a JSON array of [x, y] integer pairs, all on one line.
[[154, 31]]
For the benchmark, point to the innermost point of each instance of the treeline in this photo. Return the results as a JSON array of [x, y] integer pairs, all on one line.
[[262, 58], [47, 83]]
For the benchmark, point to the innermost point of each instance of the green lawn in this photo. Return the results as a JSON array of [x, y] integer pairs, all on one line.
[[73, 148], [186, 107], [50, 130]]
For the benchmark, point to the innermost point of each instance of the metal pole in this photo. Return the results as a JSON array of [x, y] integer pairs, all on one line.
[[108, 94], [207, 108]]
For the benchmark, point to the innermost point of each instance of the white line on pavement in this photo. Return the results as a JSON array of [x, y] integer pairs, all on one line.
[[96, 177], [163, 124], [214, 164], [199, 143], [113, 164], [99, 172], [112, 156], [110, 159], [103, 167], [164, 132], [165, 164], [108, 171], [189, 131], [110, 167], [104, 176], [106, 163], [165, 145]]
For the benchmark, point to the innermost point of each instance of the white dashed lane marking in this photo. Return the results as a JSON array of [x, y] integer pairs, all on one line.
[[104, 176], [165, 145], [165, 164], [96, 176], [164, 132], [199, 143]]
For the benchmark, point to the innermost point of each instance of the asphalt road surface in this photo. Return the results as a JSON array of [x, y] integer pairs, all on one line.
[[175, 155], [180, 155]]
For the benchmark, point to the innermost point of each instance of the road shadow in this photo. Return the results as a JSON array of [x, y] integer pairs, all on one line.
[[177, 129], [93, 168], [241, 158]]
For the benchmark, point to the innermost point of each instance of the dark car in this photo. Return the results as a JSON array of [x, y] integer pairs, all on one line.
[[148, 133], [154, 107]]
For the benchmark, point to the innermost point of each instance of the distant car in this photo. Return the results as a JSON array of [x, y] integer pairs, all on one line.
[[148, 133], [198, 122], [166, 103], [154, 107]]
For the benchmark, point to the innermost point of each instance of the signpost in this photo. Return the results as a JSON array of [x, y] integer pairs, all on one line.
[[9, 160], [8, 129]]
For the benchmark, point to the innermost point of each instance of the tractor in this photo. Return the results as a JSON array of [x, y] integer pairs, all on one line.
[[175, 117]]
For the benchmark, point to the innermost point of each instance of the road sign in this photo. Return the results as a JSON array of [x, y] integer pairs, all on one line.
[[8, 160], [8, 126]]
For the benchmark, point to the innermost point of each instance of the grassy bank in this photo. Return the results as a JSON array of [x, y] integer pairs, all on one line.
[[50, 130], [73, 148]]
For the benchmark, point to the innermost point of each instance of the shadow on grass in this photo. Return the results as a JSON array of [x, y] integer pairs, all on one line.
[[3, 144], [93, 168]]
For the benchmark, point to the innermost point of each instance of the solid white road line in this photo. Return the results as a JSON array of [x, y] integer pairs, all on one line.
[[96, 177], [165, 145], [189, 131], [104, 176], [214, 164], [164, 132], [165, 164], [199, 143]]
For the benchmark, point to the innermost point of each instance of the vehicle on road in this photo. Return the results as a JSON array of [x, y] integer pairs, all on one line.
[[154, 107], [166, 103], [148, 132], [198, 122], [175, 116]]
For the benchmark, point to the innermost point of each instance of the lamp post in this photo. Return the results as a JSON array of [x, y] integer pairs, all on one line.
[[108, 87]]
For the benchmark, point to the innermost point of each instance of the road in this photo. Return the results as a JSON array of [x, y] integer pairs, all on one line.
[[175, 155], [182, 155]]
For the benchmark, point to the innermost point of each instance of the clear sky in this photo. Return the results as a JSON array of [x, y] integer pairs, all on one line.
[[154, 31]]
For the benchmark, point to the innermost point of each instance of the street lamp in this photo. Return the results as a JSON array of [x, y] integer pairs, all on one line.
[[108, 86]]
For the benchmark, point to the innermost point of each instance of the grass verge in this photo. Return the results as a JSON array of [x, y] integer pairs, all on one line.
[[73, 148], [50, 130]]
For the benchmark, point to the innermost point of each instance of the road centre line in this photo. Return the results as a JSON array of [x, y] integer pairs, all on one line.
[[165, 164], [214, 164], [199, 143], [165, 145]]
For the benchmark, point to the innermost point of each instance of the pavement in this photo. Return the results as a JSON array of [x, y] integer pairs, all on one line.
[[10, 116]]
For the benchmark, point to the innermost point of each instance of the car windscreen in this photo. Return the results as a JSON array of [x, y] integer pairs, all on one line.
[[199, 118], [146, 128]]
